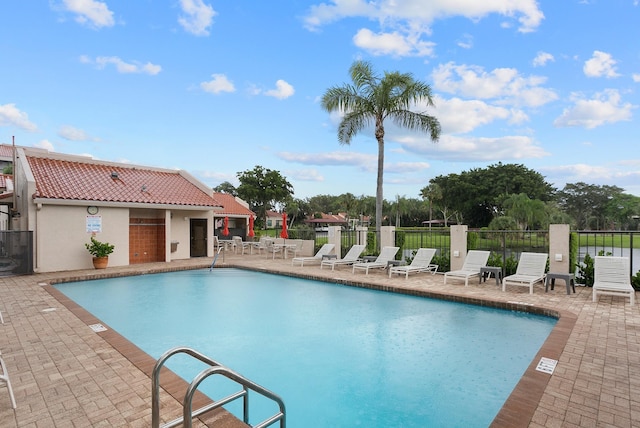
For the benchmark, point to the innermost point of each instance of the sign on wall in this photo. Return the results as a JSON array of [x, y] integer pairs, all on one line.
[[94, 223]]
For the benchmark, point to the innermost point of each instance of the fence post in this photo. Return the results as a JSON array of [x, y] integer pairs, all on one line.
[[559, 248], [458, 246], [335, 238], [387, 236]]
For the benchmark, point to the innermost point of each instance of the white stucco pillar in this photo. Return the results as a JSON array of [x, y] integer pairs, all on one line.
[[458, 250], [559, 248], [335, 238]]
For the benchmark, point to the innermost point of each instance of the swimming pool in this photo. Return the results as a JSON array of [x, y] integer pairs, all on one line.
[[339, 356]]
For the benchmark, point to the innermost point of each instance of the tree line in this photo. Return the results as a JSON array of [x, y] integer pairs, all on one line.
[[499, 197]]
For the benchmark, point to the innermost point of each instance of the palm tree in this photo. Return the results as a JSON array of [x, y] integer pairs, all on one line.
[[372, 99], [431, 193]]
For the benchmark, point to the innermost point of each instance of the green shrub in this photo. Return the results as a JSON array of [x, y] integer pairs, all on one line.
[[472, 240], [443, 261]]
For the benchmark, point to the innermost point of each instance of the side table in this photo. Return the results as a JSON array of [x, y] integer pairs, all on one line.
[[486, 271], [395, 263], [569, 280]]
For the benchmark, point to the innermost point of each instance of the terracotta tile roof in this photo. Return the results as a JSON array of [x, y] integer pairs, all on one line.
[[6, 151], [92, 181], [328, 219], [230, 206]]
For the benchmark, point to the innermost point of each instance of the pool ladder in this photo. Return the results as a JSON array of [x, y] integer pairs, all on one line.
[[214, 369]]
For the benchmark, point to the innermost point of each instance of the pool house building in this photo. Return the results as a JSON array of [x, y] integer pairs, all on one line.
[[148, 214]]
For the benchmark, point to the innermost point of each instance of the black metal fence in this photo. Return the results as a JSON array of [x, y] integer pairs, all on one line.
[[619, 243], [16, 252]]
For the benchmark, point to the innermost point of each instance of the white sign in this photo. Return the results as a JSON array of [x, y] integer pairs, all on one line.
[[94, 223], [547, 365]]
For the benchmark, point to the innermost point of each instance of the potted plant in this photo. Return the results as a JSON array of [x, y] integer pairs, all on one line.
[[100, 252]]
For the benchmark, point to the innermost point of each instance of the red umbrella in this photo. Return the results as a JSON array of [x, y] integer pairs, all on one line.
[[225, 230], [251, 233], [283, 233]]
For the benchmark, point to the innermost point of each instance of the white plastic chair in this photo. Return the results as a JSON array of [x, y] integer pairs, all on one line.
[[4, 377], [611, 277], [421, 263], [530, 270], [474, 260]]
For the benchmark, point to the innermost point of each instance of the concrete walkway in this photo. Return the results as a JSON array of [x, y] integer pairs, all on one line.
[[64, 374]]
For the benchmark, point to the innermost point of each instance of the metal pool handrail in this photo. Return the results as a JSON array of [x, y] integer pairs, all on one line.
[[215, 368]]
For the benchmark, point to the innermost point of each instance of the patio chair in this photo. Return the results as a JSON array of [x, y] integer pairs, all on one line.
[[530, 270], [381, 262], [293, 246], [275, 246], [325, 250], [474, 260], [4, 377], [261, 245], [421, 263], [611, 277], [352, 256]]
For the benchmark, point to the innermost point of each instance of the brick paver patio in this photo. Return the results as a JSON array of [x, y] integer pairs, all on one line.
[[66, 375]]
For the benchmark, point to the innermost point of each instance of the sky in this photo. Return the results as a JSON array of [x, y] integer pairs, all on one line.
[[219, 87]]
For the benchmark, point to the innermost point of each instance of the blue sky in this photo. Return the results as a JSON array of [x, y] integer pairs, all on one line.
[[218, 87]]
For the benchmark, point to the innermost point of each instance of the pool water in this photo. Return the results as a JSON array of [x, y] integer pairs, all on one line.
[[339, 356]]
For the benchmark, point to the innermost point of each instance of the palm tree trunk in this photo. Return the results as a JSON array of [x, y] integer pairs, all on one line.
[[379, 195]]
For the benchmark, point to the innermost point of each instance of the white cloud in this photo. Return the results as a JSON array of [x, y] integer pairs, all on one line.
[[283, 90], [92, 13], [459, 116], [542, 59], [636, 77], [45, 144], [505, 85], [405, 167], [10, 115], [218, 83], [474, 149], [306, 175], [122, 66], [601, 64], [197, 17], [466, 41], [418, 13], [604, 108], [74, 134], [393, 43], [365, 161]]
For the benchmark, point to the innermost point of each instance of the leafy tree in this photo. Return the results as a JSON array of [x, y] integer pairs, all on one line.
[[432, 194], [262, 188], [322, 203], [226, 187], [372, 99], [525, 211], [588, 204], [477, 195]]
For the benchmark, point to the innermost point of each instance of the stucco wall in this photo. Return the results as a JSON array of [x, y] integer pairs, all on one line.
[[62, 233]]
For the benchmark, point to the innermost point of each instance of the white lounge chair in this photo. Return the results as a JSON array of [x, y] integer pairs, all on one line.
[[325, 250], [611, 277], [530, 270], [381, 262], [421, 263], [352, 256], [474, 260], [4, 377]]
